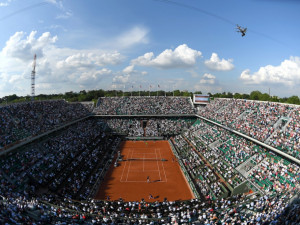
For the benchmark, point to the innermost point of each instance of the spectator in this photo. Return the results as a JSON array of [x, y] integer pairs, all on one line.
[[19, 121], [144, 106]]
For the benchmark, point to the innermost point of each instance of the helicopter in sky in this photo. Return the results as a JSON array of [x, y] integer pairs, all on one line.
[[241, 30]]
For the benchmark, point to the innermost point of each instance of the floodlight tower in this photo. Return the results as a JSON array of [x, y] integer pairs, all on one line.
[[33, 78]]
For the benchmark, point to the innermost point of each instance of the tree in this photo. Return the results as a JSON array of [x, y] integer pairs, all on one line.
[[283, 100], [255, 95], [246, 96], [176, 93], [264, 97], [293, 100], [82, 98], [223, 95], [229, 95], [83, 92], [161, 93], [71, 95], [217, 95], [186, 94], [237, 96], [11, 98], [274, 99]]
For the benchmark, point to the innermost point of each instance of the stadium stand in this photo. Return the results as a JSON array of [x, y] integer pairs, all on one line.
[[287, 138], [144, 106], [53, 180], [138, 127], [269, 122], [19, 121]]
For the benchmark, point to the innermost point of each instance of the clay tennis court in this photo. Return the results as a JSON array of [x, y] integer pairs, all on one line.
[[142, 159]]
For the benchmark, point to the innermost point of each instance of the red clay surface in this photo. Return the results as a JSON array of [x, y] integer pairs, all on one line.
[[129, 180]]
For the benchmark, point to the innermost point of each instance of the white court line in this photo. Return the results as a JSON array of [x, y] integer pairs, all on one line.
[[158, 166], [134, 181], [123, 171], [129, 166], [131, 153], [130, 150], [144, 153], [163, 166], [141, 159]]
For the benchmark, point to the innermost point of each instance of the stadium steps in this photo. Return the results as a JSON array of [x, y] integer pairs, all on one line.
[[215, 143], [222, 108], [241, 167], [243, 114], [254, 168], [98, 102], [287, 123], [277, 126], [196, 122]]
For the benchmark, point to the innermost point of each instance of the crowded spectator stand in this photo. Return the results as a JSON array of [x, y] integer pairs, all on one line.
[[53, 179], [24, 120]]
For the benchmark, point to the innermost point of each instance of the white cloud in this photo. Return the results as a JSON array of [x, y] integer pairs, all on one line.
[[24, 49], [182, 56], [5, 3], [13, 78], [215, 63], [67, 68], [16, 60], [52, 1], [88, 59], [208, 78], [136, 35], [64, 15], [44, 86], [121, 79], [90, 77], [57, 3], [208, 83], [288, 73], [130, 70]]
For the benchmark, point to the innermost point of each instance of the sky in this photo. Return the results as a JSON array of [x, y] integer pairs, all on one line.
[[150, 44]]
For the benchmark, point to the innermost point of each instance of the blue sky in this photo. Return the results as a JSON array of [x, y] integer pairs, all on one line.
[[119, 44]]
